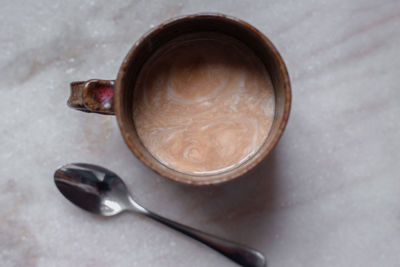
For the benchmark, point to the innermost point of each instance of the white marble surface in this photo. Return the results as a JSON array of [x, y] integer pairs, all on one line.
[[329, 195]]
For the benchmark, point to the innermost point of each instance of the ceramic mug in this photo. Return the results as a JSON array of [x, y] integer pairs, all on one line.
[[116, 97]]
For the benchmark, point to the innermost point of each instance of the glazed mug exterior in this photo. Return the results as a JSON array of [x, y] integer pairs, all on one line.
[[116, 97]]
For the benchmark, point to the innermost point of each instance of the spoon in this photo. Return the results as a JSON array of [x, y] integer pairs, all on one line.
[[102, 192]]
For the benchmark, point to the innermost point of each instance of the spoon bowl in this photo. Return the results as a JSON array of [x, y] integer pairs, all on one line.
[[93, 188]]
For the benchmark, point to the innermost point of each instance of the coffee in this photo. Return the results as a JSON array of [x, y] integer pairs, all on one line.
[[203, 103]]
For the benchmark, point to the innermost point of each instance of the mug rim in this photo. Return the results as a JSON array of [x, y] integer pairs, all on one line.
[[217, 178]]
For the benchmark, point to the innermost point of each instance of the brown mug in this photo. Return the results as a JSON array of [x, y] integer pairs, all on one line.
[[116, 97]]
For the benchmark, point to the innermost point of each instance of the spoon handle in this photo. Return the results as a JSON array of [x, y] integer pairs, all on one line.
[[240, 254]]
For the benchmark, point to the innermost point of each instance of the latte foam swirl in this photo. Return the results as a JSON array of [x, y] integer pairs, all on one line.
[[203, 106]]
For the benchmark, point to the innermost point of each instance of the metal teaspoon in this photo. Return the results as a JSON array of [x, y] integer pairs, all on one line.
[[101, 191]]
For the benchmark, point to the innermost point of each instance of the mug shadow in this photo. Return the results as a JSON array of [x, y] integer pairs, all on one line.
[[240, 210]]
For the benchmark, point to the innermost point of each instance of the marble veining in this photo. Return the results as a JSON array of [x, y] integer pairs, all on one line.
[[327, 196]]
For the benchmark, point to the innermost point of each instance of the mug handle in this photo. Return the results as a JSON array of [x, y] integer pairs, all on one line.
[[93, 96]]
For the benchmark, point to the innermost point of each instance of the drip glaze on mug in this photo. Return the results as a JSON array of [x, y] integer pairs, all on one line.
[[203, 103]]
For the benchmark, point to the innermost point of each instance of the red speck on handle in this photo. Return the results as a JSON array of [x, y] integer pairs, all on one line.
[[104, 95]]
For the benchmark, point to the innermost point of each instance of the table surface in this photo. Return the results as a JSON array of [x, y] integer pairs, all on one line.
[[328, 195]]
